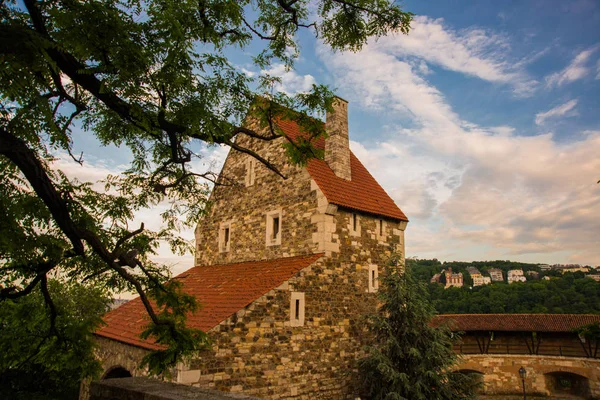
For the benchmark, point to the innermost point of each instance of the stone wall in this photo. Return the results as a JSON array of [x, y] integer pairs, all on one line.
[[146, 389], [501, 373], [246, 209], [114, 354]]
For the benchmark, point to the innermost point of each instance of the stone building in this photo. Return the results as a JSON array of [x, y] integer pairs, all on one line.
[[284, 270]]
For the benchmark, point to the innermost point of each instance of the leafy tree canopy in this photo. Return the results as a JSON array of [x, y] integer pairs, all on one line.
[[410, 359], [568, 293], [46, 346], [152, 76]]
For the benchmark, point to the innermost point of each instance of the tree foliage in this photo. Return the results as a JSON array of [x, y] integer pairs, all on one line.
[[154, 77], [569, 293], [46, 346], [410, 359]]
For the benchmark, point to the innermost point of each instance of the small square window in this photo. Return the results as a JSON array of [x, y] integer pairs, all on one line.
[[224, 237], [297, 309], [274, 228], [373, 278], [250, 171]]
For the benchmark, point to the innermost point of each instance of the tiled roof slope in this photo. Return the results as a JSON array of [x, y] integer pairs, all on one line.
[[362, 193], [515, 322], [221, 290]]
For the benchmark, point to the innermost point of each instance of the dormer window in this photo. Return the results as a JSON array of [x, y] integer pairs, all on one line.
[[224, 236], [274, 228], [250, 171]]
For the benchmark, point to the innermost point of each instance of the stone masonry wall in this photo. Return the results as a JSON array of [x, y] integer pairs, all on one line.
[[501, 374], [260, 353], [246, 208], [116, 354]]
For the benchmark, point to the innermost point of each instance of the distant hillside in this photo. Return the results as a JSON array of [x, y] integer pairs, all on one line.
[[571, 293]]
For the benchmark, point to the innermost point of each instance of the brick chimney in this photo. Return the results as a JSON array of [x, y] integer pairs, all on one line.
[[337, 146]]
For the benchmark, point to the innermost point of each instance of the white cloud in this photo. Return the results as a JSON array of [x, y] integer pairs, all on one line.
[[563, 110], [291, 82], [598, 70], [572, 72], [475, 52], [471, 191]]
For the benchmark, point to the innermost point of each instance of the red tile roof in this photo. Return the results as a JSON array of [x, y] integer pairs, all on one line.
[[221, 291], [361, 193], [515, 322]]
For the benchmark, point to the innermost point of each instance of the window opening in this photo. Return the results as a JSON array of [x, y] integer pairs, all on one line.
[[380, 227], [275, 228], [354, 222], [297, 309], [250, 173], [373, 279], [226, 239]]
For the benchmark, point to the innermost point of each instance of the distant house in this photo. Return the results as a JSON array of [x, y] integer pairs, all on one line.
[[595, 277], [575, 268], [534, 274], [516, 275], [496, 274], [544, 267], [452, 279], [477, 277]]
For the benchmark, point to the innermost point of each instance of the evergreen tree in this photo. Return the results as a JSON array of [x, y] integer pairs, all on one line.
[[410, 358]]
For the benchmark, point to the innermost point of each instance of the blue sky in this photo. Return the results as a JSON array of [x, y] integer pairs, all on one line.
[[482, 123]]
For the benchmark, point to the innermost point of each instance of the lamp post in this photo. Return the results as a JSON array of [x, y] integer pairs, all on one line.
[[522, 374]]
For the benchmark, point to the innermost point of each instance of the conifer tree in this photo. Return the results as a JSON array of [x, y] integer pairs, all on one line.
[[410, 359]]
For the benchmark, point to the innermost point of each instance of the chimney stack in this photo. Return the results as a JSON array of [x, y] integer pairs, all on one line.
[[337, 145]]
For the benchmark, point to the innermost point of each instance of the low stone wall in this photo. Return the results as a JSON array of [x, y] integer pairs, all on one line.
[[501, 372], [152, 389]]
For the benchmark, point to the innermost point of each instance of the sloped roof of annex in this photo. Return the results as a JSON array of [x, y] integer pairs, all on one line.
[[221, 290]]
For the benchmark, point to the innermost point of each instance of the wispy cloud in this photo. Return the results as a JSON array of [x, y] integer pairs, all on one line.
[[470, 190], [291, 82], [577, 69], [564, 110], [475, 52]]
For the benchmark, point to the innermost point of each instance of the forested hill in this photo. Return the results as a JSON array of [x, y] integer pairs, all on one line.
[[571, 293]]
